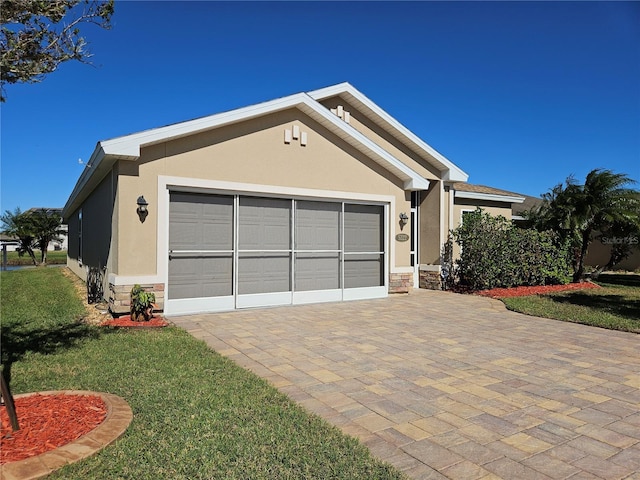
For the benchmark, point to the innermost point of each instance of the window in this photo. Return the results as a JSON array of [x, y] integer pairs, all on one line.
[[80, 237]]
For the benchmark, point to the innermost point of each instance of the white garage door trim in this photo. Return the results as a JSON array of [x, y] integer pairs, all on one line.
[[209, 304]]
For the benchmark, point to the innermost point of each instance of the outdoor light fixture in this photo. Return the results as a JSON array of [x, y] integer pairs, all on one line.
[[403, 218], [142, 205], [142, 208]]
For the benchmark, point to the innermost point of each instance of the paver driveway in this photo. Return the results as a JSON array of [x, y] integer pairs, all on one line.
[[450, 386]]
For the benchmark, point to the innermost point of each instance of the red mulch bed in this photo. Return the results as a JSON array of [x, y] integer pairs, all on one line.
[[126, 322], [536, 290], [47, 422]]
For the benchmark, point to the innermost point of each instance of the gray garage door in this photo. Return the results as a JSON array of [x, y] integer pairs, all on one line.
[[235, 251]]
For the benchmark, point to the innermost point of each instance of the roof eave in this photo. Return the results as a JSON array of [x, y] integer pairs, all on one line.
[[449, 171], [489, 196], [128, 147]]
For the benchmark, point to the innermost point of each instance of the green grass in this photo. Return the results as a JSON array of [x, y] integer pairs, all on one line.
[[615, 306], [54, 257], [196, 414]]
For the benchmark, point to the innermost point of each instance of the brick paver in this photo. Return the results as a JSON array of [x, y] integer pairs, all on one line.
[[450, 386]]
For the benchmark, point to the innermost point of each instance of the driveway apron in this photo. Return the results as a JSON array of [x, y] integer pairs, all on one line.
[[450, 386]]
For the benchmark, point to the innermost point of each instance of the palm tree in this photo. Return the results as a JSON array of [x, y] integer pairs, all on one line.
[[579, 212], [603, 201], [47, 228], [18, 224], [33, 229]]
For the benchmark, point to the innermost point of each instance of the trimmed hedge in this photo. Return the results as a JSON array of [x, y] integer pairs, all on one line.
[[495, 253]]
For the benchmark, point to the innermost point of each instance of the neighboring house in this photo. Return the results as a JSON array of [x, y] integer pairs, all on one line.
[[599, 251]]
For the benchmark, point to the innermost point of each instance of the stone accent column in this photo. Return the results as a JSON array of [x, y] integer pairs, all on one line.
[[400, 282], [120, 300], [430, 277]]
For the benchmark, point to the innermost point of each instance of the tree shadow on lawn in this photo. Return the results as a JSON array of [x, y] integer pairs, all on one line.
[[16, 341], [629, 280], [614, 304]]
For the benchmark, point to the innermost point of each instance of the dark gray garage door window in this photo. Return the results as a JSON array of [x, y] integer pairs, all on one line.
[[317, 238], [363, 246], [264, 249], [200, 245]]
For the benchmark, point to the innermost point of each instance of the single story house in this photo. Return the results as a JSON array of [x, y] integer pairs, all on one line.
[[317, 196]]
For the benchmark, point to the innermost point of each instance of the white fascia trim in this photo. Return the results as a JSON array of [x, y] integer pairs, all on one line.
[[412, 179], [489, 196], [451, 173], [517, 217], [94, 162], [129, 146]]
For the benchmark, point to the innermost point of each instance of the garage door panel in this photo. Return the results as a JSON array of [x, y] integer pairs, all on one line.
[[318, 225], [317, 271], [200, 226], [200, 222], [363, 270], [363, 228], [193, 277], [264, 224], [264, 273]]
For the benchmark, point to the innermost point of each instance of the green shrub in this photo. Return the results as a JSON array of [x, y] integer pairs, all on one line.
[[495, 253]]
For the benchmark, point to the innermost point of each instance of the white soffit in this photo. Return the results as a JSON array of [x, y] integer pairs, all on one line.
[[489, 196], [345, 90]]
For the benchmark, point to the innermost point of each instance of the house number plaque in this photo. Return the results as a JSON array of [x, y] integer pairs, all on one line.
[[402, 237]]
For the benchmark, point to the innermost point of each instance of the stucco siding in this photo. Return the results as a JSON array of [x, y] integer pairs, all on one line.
[[430, 235], [252, 152], [599, 254], [90, 238], [466, 204], [377, 134]]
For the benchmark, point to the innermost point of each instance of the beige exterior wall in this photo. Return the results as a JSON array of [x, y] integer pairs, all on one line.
[[461, 205], [250, 152], [599, 254], [381, 137], [467, 204], [430, 240]]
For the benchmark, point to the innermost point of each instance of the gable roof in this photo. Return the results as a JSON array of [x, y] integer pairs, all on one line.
[[128, 147], [482, 192], [349, 93]]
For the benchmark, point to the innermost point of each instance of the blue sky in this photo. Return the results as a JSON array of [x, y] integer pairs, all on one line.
[[517, 94]]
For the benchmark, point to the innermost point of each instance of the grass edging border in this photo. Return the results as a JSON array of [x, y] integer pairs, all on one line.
[[118, 419]]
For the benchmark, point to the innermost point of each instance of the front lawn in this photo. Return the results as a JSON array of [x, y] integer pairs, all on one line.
[[615, 306], [196, 414], [54, 257]]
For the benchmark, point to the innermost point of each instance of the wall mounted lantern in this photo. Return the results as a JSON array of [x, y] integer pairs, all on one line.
[[403, 219], [142, 208]]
